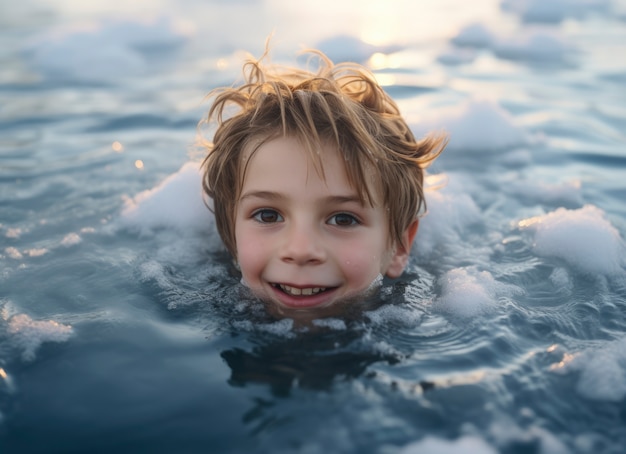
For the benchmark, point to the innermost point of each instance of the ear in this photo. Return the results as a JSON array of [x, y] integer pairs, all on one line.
[[400, 255]]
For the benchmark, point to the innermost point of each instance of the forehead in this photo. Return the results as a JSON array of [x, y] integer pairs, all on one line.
[[307, 164], [285, 159]]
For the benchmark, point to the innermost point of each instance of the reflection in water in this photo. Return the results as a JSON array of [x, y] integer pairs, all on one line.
[[311, 361]]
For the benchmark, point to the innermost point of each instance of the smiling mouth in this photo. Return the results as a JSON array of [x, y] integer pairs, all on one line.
[[295, 291]]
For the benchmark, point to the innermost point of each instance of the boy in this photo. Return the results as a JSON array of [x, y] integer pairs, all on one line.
[[316, 183]]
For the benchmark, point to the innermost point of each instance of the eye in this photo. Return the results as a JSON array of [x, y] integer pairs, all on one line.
[[343, 220], [267, 216]]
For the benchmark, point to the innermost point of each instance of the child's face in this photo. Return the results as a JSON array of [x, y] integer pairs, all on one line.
[[305, 242]]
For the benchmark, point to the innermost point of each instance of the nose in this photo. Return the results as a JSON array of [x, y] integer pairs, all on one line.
[[303, 245]]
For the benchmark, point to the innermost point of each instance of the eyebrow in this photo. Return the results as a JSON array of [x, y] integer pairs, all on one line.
[[275, 196], [340, 199], [267, 195]]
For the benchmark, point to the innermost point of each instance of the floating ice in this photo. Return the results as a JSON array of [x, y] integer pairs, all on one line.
[[103, 51], [467, 291], [553, 11], [602, 371], [464, 445], [477, 127], [175, 204], [583, 238], [27, 334], [538, 46]]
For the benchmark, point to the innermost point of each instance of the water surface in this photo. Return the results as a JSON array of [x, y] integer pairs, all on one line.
[[122, 323]]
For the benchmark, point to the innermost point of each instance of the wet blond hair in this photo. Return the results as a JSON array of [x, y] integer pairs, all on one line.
[[338, 105]]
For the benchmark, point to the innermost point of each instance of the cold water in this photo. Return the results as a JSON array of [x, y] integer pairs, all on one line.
[[123, 327]]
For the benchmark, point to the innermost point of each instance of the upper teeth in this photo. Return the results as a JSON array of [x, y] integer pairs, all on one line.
[[300, 291]]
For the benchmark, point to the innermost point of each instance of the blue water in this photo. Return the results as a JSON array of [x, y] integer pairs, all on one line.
[[123, 327]]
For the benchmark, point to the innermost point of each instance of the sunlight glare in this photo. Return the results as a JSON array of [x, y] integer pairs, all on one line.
[[378, 60], [529, 222], [7, 380], [385, 80], [378, 23], [567, 358]]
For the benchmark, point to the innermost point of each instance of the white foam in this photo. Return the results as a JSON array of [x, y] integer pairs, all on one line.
[[152, 270], [36, 252], [281, 328], [468, 291], [583, 238], [602, 371], [380, 346], [476, 126], [102, 51], [548, 442], [13, 233], [567, 192], [451, 213], [541, 46], [13, 253], [71, 239], [464, 445], [174, 214], [506, 432], [176, 204], [331, 323], [405, 315], [561, 280], [27, 334]]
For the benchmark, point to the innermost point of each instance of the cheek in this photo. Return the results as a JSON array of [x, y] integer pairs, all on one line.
[[362, 263], [250, 255]]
